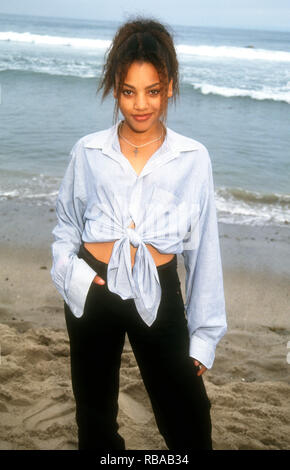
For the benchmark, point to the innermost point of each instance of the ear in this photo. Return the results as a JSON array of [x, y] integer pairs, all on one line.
[[170, 89]]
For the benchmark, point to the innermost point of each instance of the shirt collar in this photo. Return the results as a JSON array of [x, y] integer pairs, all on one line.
[[108, 142]]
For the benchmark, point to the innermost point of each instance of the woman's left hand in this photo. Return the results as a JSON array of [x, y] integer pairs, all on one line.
[[202, 368]]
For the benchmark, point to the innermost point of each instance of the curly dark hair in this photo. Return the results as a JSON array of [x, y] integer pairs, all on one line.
[[142, 40]]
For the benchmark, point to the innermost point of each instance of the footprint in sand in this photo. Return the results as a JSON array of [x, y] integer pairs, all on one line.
[[134, 409], [46, 413]]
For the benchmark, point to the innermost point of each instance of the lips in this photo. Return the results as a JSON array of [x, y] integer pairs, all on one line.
[[142, 117]]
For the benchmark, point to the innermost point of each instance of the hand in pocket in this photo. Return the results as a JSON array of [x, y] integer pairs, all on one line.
[[201, 367], [99, 280]]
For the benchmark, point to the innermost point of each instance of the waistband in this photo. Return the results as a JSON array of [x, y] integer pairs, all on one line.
[[101, 268]]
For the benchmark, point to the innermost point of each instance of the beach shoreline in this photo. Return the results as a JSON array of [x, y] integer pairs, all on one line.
[[247, 385]]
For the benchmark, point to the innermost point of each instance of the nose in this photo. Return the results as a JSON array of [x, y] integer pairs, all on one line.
[[140, 102]]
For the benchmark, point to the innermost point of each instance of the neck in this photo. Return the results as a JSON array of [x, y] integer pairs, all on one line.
[[141, 137]]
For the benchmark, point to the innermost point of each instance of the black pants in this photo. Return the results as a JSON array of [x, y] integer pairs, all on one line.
[[178, 396]]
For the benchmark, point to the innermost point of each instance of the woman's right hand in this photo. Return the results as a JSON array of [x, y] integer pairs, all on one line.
[[99, 280]]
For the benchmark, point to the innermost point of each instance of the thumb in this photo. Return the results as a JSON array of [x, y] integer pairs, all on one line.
[[99, 280]]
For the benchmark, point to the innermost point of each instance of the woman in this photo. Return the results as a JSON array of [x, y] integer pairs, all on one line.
[[133, 196]]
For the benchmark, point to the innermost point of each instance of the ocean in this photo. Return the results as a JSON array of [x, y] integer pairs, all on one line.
[[234, 98]]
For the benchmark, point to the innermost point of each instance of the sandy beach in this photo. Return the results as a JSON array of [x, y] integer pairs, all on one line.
[[248, 384]]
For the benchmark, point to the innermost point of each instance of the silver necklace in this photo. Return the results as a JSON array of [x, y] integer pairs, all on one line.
[[139, 146]]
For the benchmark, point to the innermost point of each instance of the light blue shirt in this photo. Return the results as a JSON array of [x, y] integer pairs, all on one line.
[[171, 203]]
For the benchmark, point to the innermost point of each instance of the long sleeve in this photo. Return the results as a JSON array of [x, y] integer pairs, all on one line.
[[71, 275], [205, 302]]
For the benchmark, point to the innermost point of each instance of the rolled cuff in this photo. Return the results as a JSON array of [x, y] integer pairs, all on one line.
[[202, 351], [81, 278]]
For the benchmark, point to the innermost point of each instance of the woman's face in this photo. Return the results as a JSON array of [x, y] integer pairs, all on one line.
[[140, 98]]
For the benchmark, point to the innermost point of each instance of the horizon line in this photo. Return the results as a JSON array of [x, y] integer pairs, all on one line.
[[243, 28]]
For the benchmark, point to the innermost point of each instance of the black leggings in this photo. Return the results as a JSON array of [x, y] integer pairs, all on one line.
[[178, 396]]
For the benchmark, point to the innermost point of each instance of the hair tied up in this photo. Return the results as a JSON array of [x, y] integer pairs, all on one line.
[[153, 43]]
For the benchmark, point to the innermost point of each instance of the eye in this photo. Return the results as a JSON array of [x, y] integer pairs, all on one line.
[[154, 92], [127, 92]]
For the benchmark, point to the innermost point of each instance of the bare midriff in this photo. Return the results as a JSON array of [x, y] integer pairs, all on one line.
[[103, 250]]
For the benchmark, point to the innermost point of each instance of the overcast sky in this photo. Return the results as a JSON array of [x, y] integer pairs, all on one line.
[[260, 14]]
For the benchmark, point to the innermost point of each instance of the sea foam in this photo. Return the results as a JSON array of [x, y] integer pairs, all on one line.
[[231, 52], [264, 94], [39, 39]]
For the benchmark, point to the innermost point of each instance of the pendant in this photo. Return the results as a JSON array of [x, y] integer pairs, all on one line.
[[135, 152]]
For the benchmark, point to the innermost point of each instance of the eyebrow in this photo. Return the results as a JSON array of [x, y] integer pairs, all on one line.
[[150, 86]]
